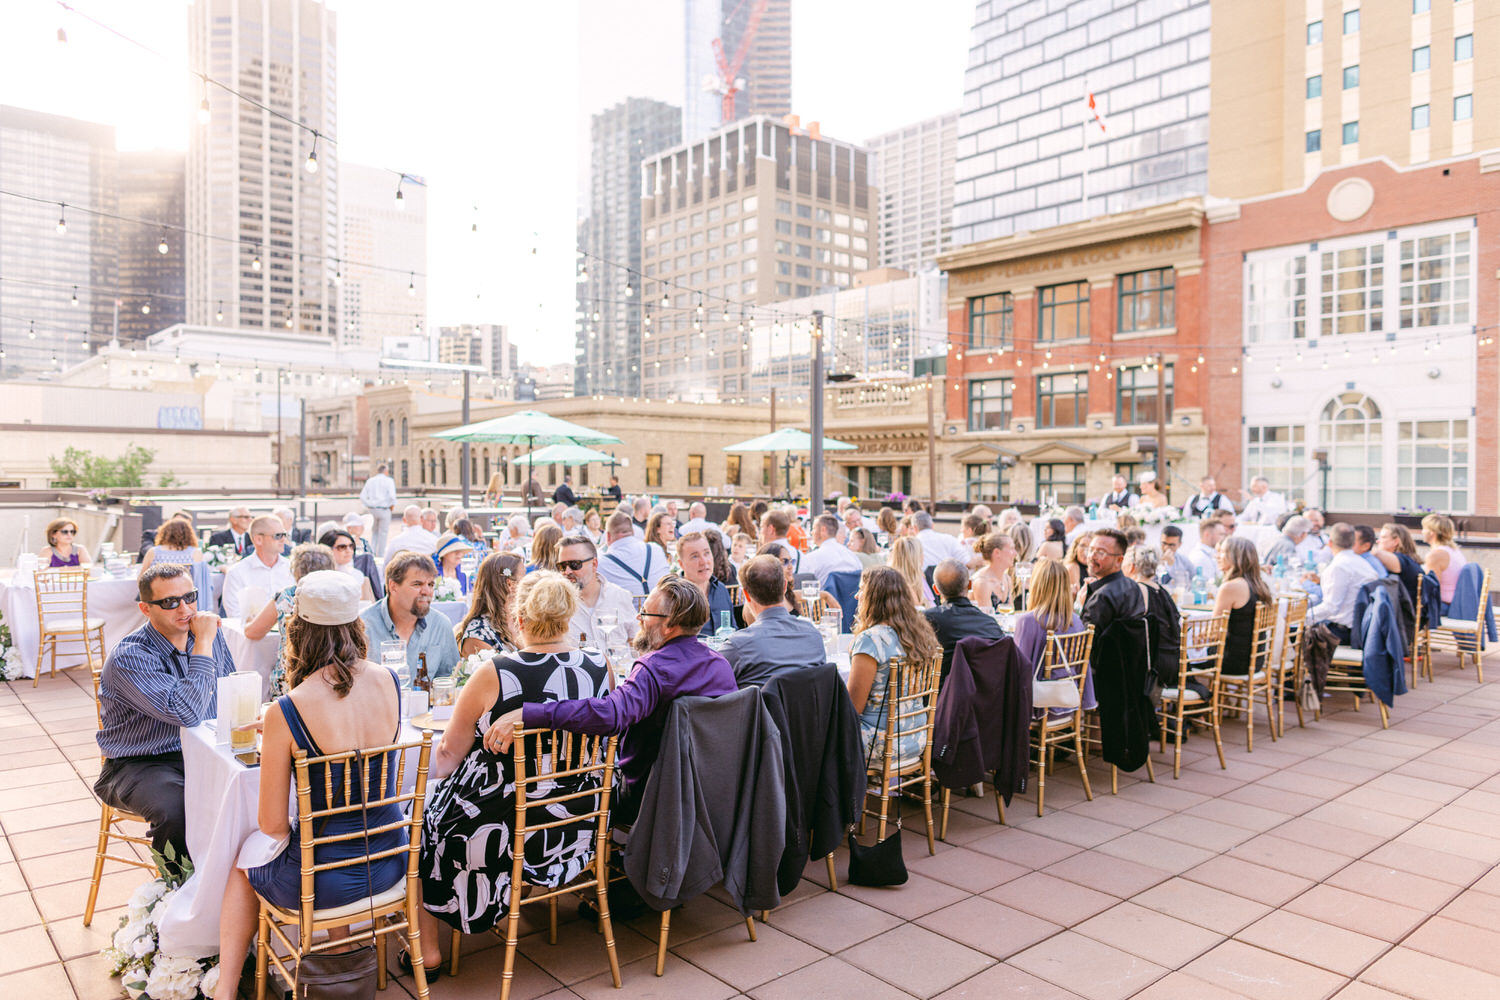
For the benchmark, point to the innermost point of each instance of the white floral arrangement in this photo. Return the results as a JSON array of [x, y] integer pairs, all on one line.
[[220, 556], [10, 654], [135, 953], [446, 589], [467, 665], [1160, 515], [1049, 512]]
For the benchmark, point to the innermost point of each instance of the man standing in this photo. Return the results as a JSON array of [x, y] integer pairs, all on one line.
[[1338, 584], [378, 497], [630, 562], [673, 664], [697, 561], [564, 492], [1119, 496], [936, 546], [831, 555], [613, 490], [413, 537], [1208, 500], [776, 641], [156, 680], [265, 569], [1263, 507], [957, 616], [578, 560], [403, 614], [237, 534]]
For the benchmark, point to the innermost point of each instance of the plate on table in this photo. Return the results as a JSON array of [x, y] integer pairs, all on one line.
[[426, 721]]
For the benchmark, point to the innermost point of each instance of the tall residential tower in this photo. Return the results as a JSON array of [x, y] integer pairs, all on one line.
[[914, 173], [766, 68]]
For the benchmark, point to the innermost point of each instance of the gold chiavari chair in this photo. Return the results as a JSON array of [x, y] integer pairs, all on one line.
[[1456, 635], [111, 827], [1183, 702], [62, 616], [1069, 651], [1238, 692], [910, 711], [1293, 670]]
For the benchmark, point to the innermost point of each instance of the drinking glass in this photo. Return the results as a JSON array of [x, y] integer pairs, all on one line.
[[393, 656], [810, 593]]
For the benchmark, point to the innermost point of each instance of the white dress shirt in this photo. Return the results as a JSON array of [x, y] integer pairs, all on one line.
[[699, 524], [379, 491], [585, 620], [1126, 499], [413, 539], [632, 552], [937, 546], [1263, 509], [832, 556], [1341, 580], [251, 572], [1317, 545]]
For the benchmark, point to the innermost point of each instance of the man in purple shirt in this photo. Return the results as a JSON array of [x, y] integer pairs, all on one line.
[[672, 664]]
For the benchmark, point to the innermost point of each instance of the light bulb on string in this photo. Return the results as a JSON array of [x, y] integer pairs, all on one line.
[[75, 295], [629, 289], [146, 308], [665, 301], [401, 199], [161, 245], [255, 262], [31, 330], [62, 219], [311, 163], [411, 285]]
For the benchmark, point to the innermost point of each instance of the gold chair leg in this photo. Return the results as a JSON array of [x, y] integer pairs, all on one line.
[[512, 935], [453, 950], [1041, 770], [552, 920], [661, 942], [1150, 770], [927, 810], [1270, 710], [1213, 720], [750, 927], [1177, 741], [1000, 805], [601, 894], [943, 826], [833, 878], [381, 974], [262, 948], [105, 814], [1083, 767]]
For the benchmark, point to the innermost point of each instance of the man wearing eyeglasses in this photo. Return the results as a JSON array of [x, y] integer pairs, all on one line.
[[266, 568], [157, 679], [1120, 659], [578, 560]]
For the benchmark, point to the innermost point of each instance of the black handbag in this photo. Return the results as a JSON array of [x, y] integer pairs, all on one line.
[[880, 864], [345, 975]]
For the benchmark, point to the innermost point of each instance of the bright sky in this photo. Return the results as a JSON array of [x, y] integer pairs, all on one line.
[[490, 102]]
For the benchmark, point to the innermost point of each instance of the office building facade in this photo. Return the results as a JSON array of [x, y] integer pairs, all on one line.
[[60, 267], [382, 257], [153, 285], [608, 333], [755, 213], [914, 172], [1025, 123], [486, 345], [266, 228]]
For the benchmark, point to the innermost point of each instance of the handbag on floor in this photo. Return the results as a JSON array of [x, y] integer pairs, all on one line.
[[880, 864]]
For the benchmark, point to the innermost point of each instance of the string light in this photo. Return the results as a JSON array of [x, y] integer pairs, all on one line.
[[400, 198], [62, 219], [75, 295], [161, 246], [411, 285], [219, 315], [311, 164]]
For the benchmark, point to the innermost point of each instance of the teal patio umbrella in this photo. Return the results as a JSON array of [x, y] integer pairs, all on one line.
[[789, 440], [528, 427]]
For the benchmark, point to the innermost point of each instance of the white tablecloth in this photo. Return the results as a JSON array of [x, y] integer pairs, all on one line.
[[1263, 535], [258, 655], [454, 611], [222, 797]]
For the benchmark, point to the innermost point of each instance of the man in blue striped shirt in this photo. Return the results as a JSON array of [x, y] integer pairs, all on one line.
[[157, 679]]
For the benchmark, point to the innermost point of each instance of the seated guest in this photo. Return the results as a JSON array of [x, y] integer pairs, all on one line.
[[956, 616], [61, 548], [1285, 547], [630, 562], [936, 546], [776, 528], [596, 595], [992, 584], [490, 621], [723, 571], [887, 626], [448, 559], [1242, 590], [830, 555], [516, 535], [792, 595], [640, 509], [1054, 540], [544, 547], [739, 521], [1119, 496], [698, 520], [1167, 571], [1134, 535], [1076, 562], [237, 534], [906, 559], [175, 543], [673, 664], [355, 705], [866, 549], [403, 614], [971, 530], [157, 679], [294, 534], [741, 547], [887, 521], [265, 569], [775, 641], [305, 559], [1073, 521], [1110, 595], [1314, 541], [697, 559], [1207, 500], [1163, 619], [1364, 547], [1264, 506], [662, 530], [1020, 536], [1152, 496], [1398, 553], [430, 521], [355, 525], [1049, 612], [468, 853], [413, 537], [1009, 517], [1204, 556], [1443, 557], [469, 532], [1338, 584], [344, 547]]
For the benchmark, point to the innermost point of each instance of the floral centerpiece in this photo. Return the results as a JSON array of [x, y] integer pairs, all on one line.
[[135, 954], [445, 588], [1160, 515], [10, 654], [468, 664], [220, 556]]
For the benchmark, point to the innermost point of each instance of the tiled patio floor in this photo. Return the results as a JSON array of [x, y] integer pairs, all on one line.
[[1340, 861]]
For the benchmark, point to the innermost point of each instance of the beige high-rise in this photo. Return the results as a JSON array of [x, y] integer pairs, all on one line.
[[1300, 85]]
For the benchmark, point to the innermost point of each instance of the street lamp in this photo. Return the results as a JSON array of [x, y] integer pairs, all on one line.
[[441, 366], [1321, 457]]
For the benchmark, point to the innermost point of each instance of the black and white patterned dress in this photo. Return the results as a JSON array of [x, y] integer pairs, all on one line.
[[467, 848]]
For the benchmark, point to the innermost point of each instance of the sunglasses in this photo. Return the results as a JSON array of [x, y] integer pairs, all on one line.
[[573, 565], [171, 603], [342, 545], [280, 536], [67, 531]]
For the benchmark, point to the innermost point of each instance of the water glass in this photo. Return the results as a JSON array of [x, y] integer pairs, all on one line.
[[809, 593], [393, 656]]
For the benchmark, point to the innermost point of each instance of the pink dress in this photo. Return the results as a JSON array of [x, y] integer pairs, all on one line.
[[1448, 578]]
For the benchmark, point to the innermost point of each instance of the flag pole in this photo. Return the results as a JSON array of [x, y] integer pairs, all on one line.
[[1086, 124]]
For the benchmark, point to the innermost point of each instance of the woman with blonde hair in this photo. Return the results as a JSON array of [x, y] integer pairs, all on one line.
[[1443, 558], [490, 622], [886, 521], [906, 559], [546, 545], [1049, 612], [1020, 533], [492, 491], [886, 626], [1077, 561], [61, 548], [1243, 588], [992, 585]]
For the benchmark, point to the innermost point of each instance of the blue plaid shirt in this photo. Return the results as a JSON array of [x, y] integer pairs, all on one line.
[[150, 689]]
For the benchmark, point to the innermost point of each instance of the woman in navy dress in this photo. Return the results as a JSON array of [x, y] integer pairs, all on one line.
[[339, 701]]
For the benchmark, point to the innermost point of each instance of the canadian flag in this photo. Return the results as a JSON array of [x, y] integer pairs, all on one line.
[[1094, 111]]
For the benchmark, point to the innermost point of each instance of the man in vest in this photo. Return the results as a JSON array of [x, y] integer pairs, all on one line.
[[630, 562], [1208, 500]]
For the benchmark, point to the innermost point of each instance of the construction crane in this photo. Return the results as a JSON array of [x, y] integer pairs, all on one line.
[[729, 82]]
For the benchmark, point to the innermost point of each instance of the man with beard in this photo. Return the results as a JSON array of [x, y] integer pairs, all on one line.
[[402, 614], [672, 664]]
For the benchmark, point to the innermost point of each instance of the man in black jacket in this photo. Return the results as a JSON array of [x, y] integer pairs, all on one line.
[[237, 534], [957, 616], [1116, 608], [564, 492]]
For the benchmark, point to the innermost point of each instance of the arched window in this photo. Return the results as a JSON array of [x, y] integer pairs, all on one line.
[[421, 469], [432, 469], [443, 464], [403, 472], [486, 466], [390, 431], [1350, 429], [377, 434], [403, 430]]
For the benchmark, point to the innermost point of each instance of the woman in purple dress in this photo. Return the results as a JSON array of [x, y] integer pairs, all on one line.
[[1051, 612], [62, 548]]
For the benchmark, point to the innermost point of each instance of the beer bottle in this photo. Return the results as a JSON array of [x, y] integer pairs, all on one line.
[[422, 682]]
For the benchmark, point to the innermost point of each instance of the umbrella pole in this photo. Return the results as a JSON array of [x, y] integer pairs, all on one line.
[[530, 472]]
